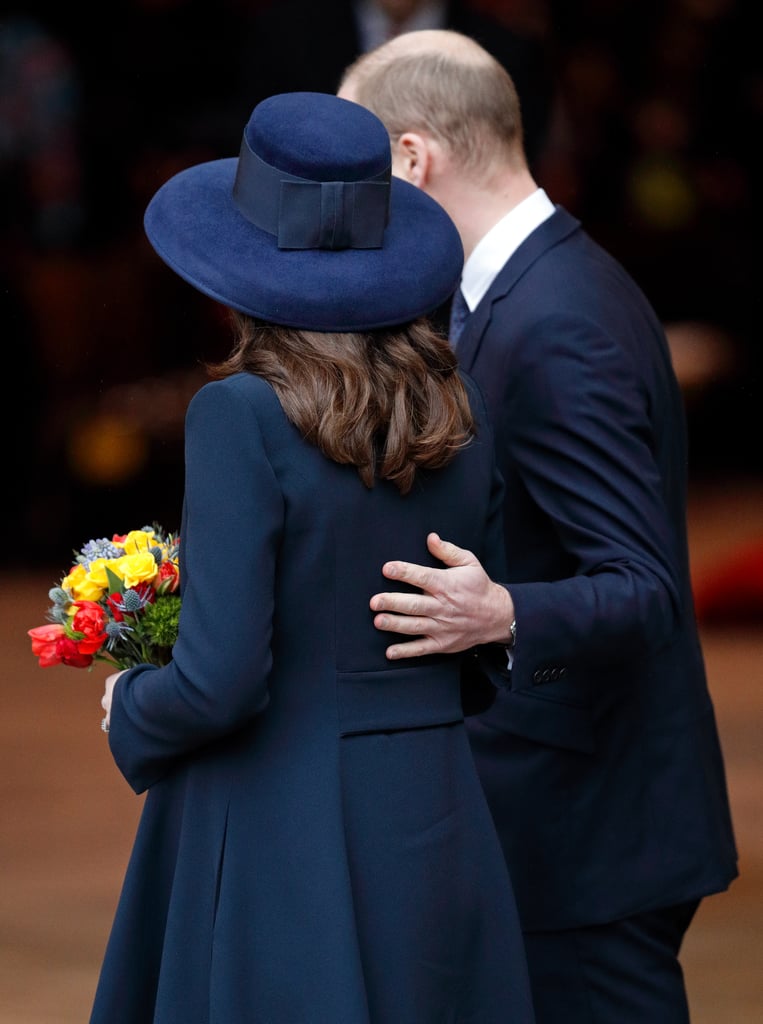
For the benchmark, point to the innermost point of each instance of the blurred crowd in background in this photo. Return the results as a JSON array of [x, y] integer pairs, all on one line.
[[643, 117]]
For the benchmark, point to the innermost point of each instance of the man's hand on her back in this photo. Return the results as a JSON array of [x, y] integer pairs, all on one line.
[[459, 606]]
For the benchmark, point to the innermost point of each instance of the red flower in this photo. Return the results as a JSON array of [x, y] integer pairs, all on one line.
[[167, 578], [52, 646], [114, 601], [45, 644], [90, 620], [70, 653], [145, 591]]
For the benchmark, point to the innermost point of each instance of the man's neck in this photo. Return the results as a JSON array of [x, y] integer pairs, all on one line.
[[476, 210]]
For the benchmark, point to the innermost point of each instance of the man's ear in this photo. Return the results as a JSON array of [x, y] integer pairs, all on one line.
[[412, 159]]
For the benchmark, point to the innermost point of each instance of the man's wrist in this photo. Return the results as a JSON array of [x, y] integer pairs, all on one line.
[[501, 617]]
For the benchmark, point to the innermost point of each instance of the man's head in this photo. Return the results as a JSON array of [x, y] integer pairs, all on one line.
[[445, 85], [454, 121]]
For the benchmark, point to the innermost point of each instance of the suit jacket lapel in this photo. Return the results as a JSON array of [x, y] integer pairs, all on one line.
[[558, 226]]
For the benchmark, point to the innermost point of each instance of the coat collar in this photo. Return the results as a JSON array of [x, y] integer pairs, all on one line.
[[557, 227]]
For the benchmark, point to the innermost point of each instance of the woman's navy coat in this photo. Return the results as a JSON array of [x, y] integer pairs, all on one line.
[[315, 847]]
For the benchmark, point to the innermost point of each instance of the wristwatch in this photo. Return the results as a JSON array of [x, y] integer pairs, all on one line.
[[513, 632]]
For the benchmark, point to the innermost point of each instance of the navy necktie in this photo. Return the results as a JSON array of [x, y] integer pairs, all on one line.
[[459, 311]]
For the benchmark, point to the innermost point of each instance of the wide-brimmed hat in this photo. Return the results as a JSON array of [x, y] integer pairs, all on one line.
[[307, 227]]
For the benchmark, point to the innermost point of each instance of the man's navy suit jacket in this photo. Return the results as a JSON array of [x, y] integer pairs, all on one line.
[[600, 757]]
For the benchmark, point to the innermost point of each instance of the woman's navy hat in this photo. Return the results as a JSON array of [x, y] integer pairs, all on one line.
[[307, 227]]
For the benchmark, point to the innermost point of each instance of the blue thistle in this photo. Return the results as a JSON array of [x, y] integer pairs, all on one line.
[[130, 603], [59, 609], [58, 614], [59, 597], [116, 631]]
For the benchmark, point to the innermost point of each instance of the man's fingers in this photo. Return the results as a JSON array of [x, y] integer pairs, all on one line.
[[424, 577], [420, 576], [451, 554], [414, 649], [408, 625], [404, 604]]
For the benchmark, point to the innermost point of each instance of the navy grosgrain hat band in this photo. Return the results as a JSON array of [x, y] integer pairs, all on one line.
[[307, 214]]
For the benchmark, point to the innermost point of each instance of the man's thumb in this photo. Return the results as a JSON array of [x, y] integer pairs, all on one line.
[[450, 554]]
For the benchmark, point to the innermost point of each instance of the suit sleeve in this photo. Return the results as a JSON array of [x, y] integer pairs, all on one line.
[[578, 428], [217, 680]]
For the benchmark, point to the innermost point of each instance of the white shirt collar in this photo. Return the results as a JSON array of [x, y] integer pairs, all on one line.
[[502, 240]]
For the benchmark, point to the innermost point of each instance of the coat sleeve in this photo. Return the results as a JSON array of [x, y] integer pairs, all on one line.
[[217, 680], [578, 426]]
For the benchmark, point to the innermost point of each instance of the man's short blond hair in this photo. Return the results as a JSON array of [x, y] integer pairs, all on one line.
[[446, 85]]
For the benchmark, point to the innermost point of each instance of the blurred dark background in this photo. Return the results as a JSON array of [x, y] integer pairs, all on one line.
[[643, 118]]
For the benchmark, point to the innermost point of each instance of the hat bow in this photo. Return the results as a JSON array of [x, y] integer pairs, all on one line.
[[307, 214]]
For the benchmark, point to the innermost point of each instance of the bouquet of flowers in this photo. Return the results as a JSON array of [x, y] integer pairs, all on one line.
[[118, 604]]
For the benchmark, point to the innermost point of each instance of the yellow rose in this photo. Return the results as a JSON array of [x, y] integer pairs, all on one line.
[[82, 586], [138, 540], [97, 573], [137, 568]]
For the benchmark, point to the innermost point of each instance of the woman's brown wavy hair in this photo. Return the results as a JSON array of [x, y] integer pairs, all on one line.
[[388, 401]]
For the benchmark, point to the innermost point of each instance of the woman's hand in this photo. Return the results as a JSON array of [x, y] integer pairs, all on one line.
[[106, 699]]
